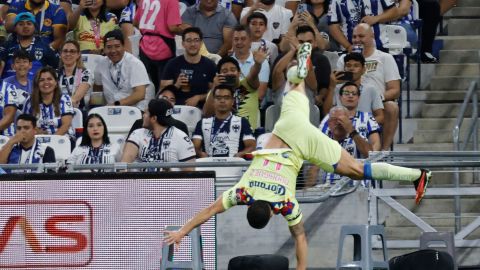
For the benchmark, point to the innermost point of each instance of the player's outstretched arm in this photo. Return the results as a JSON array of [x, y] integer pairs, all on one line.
[[200, 218], [301, 246]]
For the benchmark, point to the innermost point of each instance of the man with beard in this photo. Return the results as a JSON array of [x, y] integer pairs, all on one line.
[[50, 19], [159, 140], [191, 72]]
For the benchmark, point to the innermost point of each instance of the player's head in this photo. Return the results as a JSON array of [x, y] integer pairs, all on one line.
[[259, 213]]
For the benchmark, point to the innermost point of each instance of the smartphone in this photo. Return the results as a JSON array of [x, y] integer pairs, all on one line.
[[302, 7], [230, 80], [345, 76]]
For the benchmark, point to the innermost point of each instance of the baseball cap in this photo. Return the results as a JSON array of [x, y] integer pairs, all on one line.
[[163, 110], [114, 35], [24, 16]]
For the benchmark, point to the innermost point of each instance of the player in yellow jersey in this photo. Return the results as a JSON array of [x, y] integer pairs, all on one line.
[[268, 186]]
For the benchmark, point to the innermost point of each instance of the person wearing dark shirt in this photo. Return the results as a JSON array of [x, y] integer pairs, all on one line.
[[40, 52], [23, 148]]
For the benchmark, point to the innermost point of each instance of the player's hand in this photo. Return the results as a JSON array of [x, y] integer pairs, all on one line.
[[173, 237]]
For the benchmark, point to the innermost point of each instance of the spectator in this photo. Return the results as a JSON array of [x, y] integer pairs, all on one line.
[[343, 16], [121, 76], [21, 66], [75, 80], [224, 134], [278, 18], [159, 140], [8, 108], [167, 93], [157, 45], [90, 24], [191, 72], [39, 51], [235, 6], [304, 19], [241, 52], [126, 23], [382, 75], [370, 99], [245, 90], [318, 10], [50, 19], [53, 110], [23, 148], [355, 131], [376, 14], [116, 6], [66, 5], [257, 23], [317, 82], [215, 22], [95, 147]]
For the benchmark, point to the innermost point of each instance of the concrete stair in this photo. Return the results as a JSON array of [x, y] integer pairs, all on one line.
[[435, 118]]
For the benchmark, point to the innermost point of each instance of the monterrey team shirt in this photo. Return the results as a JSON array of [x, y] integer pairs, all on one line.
[[172, 146], [271, 177], [39, 51], [347, 13], [105, 154], [46, 119], [223, 137], [375, 8], [8, 97], [50, 16]]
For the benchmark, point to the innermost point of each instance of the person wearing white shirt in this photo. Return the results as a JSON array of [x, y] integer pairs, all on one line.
[[278, 18], [382, 74], [121, 76], [257, 23]]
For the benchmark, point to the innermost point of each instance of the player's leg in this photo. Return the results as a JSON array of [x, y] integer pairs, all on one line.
[[296, 74], [350, 167]]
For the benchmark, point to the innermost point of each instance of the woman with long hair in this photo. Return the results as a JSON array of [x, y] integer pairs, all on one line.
[[75, 80], [91, 22], [95, 146], [318, 10], [54, 110]]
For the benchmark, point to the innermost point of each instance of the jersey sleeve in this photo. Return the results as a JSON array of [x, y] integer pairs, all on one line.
[[291, 212], [66, 107], [11, 97], [59, 17], [197, 134], [185, 148], [246, 130], [333, 15], [372, 125], [136, 137]]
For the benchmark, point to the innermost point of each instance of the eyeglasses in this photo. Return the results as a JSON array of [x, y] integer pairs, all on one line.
[[352, 94], [226, 98], [193, 40], [70, 51]]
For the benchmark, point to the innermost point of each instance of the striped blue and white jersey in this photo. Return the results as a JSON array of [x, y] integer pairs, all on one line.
[[364, 123], [105, 154], [46, 119], [128, 13], [347, 13], [8, 97], [409, 18], [375, 8]]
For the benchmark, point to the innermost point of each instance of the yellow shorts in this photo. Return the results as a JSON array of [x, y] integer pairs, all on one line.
[[306, 140]]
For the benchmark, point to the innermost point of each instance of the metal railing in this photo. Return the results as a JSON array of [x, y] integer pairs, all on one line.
[[471, 95], [441, 161]]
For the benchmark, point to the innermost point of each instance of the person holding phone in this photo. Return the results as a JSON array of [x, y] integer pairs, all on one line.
[[369, 100], [91, 21]]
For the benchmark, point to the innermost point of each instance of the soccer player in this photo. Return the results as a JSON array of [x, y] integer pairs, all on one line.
[[268, 186]]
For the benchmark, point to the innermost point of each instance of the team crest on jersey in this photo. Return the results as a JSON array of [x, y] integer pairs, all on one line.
[[38, 55], [47, 22], [276, 25], [236, 128]]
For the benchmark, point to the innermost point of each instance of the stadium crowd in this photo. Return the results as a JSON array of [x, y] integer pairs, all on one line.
[[228, 58]]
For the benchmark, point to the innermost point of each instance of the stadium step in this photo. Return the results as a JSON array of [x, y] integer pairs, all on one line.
[[395, 219], [451, 82], [468, 3], [463, 12], [447, 110], [459, 56], [460, 42], [443, 123], [431, 96], [463, 27], [457, 69], [437, 136], [440, 205], [446, 178]]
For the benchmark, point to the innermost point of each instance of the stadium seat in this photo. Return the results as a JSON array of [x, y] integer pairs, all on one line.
[[3, 140], [59, 143], [77, 121], [188, 115], [262, 140], [271, 116], [232, 173], [214, 57], [118, 118], [91, 60], [395, 39]]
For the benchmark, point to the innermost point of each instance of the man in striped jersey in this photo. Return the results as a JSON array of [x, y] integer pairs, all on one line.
[[8, 108], [343, 16]]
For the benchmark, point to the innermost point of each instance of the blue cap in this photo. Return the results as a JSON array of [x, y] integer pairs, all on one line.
[[24, 16]]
